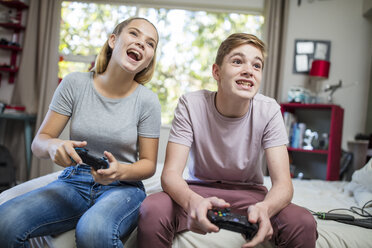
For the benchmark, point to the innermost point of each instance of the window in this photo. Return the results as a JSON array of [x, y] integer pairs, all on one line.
[[187, 47]]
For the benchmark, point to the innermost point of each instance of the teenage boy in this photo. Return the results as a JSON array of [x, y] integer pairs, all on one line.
[[225, 134]]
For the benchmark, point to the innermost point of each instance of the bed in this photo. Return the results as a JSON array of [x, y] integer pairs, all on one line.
[[316, 195]]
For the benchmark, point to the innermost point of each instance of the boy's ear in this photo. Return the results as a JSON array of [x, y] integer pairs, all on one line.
[[111, 41], [216, 72]]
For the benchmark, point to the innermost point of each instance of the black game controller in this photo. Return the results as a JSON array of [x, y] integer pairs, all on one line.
[[95, 162], [233, 222]]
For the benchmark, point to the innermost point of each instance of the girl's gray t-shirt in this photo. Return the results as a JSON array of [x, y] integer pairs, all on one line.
[[107, 124]]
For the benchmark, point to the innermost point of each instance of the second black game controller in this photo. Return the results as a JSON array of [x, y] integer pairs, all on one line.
[[233, 222], [88, 159]]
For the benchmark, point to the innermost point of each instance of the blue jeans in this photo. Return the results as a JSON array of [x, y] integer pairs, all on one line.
[[101, 214]]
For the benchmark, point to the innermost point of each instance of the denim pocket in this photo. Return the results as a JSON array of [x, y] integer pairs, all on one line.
[[67, 173]]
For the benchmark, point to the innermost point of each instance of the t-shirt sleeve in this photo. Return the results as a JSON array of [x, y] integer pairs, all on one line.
[[275, 133], [63, 100], [150, 116], [181, 131]]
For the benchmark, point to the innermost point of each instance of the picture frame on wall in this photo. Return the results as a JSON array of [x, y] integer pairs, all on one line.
[[306, 51]]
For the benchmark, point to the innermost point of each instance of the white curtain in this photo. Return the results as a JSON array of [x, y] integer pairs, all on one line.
[[276, 15]]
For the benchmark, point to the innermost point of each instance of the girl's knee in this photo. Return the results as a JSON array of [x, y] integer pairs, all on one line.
[[93, 232], [13, 233]]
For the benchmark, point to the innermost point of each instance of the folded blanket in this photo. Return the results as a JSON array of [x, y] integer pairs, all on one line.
[[361, 185]]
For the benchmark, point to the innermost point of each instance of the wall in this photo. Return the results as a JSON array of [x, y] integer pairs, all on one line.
[[367, 12], [341, 22], [369, 108]]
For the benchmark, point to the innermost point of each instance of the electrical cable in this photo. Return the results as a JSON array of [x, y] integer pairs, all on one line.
[[356, 210]]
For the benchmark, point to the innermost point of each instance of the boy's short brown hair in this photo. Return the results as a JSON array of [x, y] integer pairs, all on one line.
[[235, 40]]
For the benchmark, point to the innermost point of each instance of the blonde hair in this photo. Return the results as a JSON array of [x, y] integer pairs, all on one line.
[[104, 55], [236, 40]]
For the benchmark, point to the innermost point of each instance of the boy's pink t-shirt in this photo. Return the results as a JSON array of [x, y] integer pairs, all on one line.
[[224, 149]]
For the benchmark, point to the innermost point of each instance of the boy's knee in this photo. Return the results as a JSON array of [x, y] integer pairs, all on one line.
[[154, 211], [309, 227], [297, 229], [155, 204], [305, 234]]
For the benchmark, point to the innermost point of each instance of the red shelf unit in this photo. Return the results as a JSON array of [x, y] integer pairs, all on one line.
[[15, 48], [17, 28], [309, 151], [324, 118], [14, 26], [14, 4]]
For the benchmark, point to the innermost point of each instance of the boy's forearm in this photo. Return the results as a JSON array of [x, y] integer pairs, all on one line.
[[178, 190], [277, 198]]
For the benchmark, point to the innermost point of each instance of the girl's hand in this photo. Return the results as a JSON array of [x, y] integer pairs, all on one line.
[[62, 152], [109, 175]]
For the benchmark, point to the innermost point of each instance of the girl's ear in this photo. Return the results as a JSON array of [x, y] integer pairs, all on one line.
[[216, 72], [111, 41]]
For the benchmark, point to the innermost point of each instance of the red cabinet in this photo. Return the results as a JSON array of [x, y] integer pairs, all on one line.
[[15, 27], [318, 163]]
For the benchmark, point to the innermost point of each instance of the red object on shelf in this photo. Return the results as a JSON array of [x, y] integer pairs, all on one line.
[[320, 68], [333, 154], [15, 108]]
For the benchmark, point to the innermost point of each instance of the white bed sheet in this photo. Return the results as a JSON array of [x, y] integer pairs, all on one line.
[[316, 195]]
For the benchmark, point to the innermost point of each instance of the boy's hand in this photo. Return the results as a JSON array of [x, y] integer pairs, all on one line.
[[197, 220], [258, 214]]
